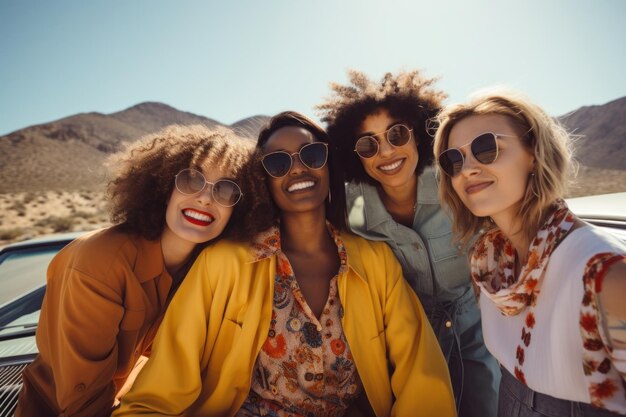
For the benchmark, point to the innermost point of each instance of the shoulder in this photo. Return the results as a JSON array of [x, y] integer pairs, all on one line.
[[99, 249], [227, 252], [366, 251], [594, 241]]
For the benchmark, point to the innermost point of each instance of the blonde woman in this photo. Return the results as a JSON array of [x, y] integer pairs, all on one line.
[[551, 287]]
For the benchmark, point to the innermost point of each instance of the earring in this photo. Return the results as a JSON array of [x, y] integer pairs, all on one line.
[[330, 198]]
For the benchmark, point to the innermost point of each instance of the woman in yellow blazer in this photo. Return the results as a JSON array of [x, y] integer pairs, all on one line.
[[308, 320]]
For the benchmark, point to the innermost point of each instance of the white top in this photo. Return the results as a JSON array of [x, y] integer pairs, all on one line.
[[553, 362]]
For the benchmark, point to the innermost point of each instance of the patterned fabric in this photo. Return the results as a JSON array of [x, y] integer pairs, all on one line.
[[604, 365], [493, 263], [305, 367], [493, 266]]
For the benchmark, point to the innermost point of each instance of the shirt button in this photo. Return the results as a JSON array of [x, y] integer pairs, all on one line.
[[80, 387], [448, 324]]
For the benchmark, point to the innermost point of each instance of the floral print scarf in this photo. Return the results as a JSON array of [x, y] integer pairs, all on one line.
[[493, 263]]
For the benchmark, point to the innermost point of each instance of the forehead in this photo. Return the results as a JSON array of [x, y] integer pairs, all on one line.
[[470, 127], [376, 121], [289, 138], [213, 171]]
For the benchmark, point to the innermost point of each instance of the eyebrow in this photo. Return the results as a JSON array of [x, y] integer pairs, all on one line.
[[389, 126]]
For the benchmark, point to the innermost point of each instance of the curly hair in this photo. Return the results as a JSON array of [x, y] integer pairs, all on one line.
[[543, 136], [407, 96], [336, 205], [144, 179]]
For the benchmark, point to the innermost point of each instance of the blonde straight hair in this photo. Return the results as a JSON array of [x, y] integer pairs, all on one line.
[[542, 136]]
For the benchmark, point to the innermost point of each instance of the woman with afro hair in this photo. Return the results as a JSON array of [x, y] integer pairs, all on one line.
[[107, 291], [384, 133]]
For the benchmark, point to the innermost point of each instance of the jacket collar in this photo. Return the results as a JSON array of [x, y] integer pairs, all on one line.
[[266, 244], [149, 261], [375, 212]]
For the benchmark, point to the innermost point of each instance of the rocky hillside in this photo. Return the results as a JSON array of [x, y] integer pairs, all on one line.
[[68, 154], [601, 134]]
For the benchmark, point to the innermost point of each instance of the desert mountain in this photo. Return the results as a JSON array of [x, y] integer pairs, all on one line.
[[68, 154], [602, 134]]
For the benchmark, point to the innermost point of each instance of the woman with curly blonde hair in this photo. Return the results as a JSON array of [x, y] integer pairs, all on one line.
[[384, 134], [551, 287], [173, 192]]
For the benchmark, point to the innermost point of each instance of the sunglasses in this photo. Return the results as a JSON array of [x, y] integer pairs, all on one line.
[[225, 192], [484, 148], [312, 155], [397, 135]]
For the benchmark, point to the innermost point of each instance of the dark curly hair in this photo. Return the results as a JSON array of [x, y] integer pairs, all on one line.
[[144, 179], [336, 207], [407, 96]]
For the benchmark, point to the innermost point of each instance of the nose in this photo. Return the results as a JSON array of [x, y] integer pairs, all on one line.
[[470, 166], [384, 147], [205, 197], [297, 167]]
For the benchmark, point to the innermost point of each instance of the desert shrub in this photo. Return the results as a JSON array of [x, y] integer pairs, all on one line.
[[17, 206], [58, 224], [28, 197], [11, 234]]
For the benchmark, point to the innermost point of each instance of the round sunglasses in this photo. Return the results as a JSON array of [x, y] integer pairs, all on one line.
[[397, 135], [484, 148], [225, 192], [312, 155]]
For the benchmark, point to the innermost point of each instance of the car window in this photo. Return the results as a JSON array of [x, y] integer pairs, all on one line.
[[22, 271]]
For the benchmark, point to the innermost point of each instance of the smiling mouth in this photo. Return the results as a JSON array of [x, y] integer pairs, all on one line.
[[392, 166], [198, 218], [301, 185], [472, 189]]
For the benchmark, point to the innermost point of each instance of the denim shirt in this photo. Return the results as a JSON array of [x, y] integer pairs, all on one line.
[[436, 268], [438, 271]]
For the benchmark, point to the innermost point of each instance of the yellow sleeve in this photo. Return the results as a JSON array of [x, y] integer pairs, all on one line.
[[171, 380], [420, 379]]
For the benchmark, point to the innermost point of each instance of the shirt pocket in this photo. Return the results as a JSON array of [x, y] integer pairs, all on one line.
[[442, 247]]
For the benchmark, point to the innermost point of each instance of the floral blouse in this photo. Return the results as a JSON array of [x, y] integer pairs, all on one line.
[[305, 367]]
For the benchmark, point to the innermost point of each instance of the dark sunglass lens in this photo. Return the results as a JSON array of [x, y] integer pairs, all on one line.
[[366, 147], [398, 135], [451, 161], [485, 148], [226, 193], [190, 181], [277, 164], [314, 155]]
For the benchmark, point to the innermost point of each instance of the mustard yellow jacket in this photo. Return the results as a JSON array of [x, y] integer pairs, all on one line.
[[205, 350]]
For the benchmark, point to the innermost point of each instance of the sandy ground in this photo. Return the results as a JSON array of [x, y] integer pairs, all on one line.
[[26, 215]]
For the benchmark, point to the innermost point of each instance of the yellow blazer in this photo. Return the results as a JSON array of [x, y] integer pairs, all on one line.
[[205, 350]]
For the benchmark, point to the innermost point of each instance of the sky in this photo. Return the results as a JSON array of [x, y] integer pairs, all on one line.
[[233, 59]]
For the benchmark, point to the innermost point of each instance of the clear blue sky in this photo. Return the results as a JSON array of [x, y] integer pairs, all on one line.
[[232, 59]]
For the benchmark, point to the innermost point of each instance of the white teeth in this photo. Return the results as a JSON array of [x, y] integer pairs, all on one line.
[[391, 166], [197, 216], [300, 186]]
